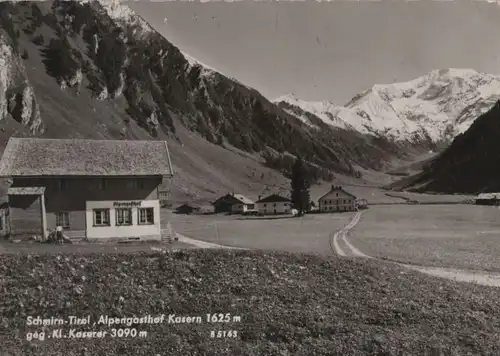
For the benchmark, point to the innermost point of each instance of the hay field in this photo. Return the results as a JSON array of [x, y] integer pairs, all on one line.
[[460, 236], [432, 198], [7, 247], [307, 234]]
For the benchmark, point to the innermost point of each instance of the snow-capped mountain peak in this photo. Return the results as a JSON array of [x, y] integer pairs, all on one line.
[[123, 15], [289, 98], [437, 106]]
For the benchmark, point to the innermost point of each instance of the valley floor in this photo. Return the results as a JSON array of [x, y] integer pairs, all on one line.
[[462, 236], [306, 234]]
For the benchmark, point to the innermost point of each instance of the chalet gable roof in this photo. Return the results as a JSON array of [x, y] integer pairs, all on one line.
[[337, 189], [243, 199], [82, 157], [234, 199], [273, 198]]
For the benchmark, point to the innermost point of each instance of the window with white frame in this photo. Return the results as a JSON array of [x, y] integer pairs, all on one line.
[[123, 216], [101, 217], [146, 216], [62, 219]]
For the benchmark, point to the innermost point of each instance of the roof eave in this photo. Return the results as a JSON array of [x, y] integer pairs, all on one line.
[[169, 160], [170, 175], [274, 201]]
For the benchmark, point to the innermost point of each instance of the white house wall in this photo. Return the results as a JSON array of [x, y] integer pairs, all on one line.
[[274, 208], [142, 231], [337, 201]]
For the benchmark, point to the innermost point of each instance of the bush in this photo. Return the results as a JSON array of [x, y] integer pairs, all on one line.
[[110, 58], [7, 8], [59, 60], [29, 30], [24, 55], [37, 16], [38, 40]]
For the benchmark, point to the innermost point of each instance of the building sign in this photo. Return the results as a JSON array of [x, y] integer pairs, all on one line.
[[118, 204]]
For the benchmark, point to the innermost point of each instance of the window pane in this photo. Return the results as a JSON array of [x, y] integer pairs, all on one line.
[[101, 216], [97, 217], [146, 216], [62, 219], [124, 216]]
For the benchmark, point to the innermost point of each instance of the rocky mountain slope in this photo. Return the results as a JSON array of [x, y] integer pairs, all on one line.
[[97, 70], [433, 108], [470, 165]]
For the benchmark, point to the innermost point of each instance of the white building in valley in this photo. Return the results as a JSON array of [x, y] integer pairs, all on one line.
[[242, 204], [274, 204], [337, 200]]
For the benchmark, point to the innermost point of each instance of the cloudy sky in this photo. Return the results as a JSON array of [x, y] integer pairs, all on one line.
[[334, 50]]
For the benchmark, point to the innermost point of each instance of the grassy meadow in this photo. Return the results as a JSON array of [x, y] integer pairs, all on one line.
[[283, 233], [460, 236]]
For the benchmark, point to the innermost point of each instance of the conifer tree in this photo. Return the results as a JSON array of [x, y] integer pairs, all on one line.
[[300, 187]]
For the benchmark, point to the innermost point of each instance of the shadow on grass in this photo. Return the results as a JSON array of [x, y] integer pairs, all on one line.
[[89, 247], [266, 217]]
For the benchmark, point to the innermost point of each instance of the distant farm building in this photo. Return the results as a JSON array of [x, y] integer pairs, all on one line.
[[243, 205], [274, 204], [337, 200], [187, 209], [224, 204], [362, 203], [488, 199], [233, 203]]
